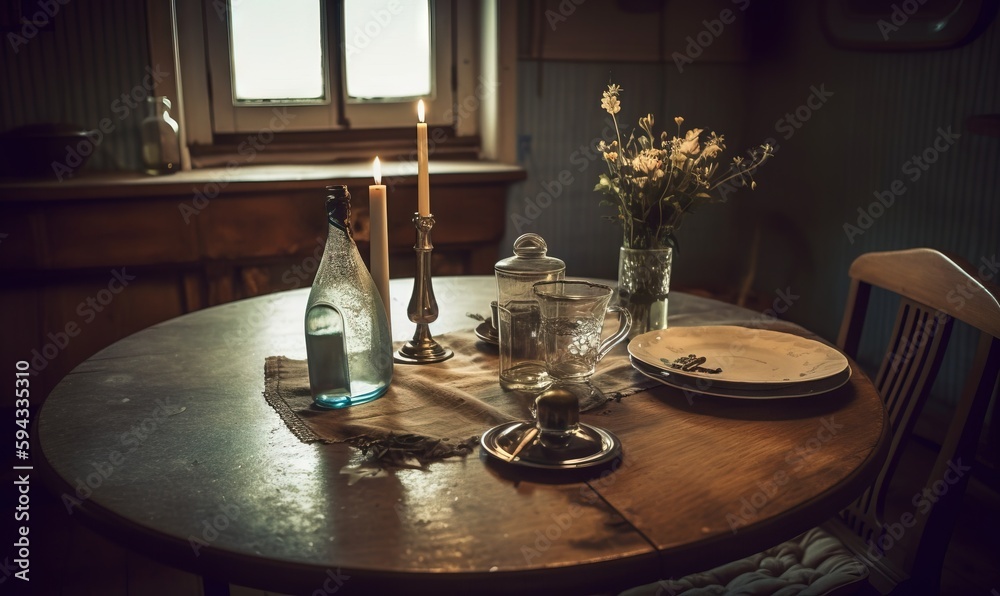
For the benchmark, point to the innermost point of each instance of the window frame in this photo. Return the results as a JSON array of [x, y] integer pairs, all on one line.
[[338, 112], [485, 73]]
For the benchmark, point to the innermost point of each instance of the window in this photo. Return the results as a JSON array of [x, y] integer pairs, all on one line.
[[277, 55], [389, 58], [332, 65]]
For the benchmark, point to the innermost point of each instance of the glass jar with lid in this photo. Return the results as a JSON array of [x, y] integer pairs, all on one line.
[[522, 359], [530, 264]]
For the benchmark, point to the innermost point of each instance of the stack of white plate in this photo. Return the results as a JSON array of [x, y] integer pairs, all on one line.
[[739, 362]]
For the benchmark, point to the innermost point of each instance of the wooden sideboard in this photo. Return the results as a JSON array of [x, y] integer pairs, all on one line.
[[90, 260]]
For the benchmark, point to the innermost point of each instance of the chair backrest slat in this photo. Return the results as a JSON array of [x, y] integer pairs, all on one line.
[[929, 284], [957, 453], [945, 283]]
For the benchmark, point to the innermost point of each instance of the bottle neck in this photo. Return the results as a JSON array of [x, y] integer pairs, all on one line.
[[339, 216]]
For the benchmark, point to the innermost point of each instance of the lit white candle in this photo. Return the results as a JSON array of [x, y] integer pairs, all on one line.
[[379, 236], [423, 179]]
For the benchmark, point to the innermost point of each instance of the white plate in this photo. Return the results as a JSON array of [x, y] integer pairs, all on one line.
[[704, 387], [737, 355]]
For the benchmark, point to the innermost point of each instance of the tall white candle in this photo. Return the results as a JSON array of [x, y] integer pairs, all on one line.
[[423, 179], [379, 237]]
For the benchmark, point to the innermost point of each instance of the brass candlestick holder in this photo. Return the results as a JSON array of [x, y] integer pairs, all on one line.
[[423, 308]]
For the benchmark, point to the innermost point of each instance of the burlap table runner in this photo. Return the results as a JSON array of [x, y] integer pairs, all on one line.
[[430, 411]]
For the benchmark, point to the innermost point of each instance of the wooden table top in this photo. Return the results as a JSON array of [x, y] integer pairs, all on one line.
[[187, 463]]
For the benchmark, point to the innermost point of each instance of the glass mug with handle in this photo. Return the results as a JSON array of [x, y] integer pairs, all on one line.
[[572, 316]]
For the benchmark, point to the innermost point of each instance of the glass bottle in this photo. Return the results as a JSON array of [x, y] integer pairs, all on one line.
[[348, 344], [161, 145]]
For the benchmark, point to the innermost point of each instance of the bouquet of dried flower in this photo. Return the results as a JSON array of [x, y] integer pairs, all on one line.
[[655, 180]]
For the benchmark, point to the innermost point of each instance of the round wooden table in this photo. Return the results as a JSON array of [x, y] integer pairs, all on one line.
[[164, 442]]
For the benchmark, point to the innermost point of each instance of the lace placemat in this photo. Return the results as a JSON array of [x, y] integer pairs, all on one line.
[[429, 411]]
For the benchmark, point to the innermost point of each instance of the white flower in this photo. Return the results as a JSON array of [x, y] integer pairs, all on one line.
[[645, 163], [690, 143], [646, 123], [610, 103], [651, 172]]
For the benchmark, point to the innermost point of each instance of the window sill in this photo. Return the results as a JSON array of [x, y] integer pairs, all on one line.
[[263, 178]]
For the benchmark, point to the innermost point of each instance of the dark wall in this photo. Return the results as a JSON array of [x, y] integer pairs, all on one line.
[[559, 121], [75, 69], [886, 108], [879, 110]]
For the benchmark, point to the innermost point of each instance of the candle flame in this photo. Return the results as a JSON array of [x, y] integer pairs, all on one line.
[[420, 110], [378, 171]]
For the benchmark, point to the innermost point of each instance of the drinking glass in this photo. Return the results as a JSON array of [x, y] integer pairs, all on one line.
[[522, 364], [572, 317]]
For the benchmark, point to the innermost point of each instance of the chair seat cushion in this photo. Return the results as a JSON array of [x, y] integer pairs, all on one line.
[[811, 564]]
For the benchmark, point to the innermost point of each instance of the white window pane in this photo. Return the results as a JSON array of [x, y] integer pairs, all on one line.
[[277, 49], [387, 48]]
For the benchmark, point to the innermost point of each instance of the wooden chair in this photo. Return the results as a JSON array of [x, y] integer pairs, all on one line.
[[904, 554], [935, 290]]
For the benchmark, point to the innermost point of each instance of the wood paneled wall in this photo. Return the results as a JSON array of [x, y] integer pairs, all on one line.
[[884, 109], [75, 71]]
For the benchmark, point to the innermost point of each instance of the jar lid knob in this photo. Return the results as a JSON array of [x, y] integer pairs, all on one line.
[[530, 246]]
